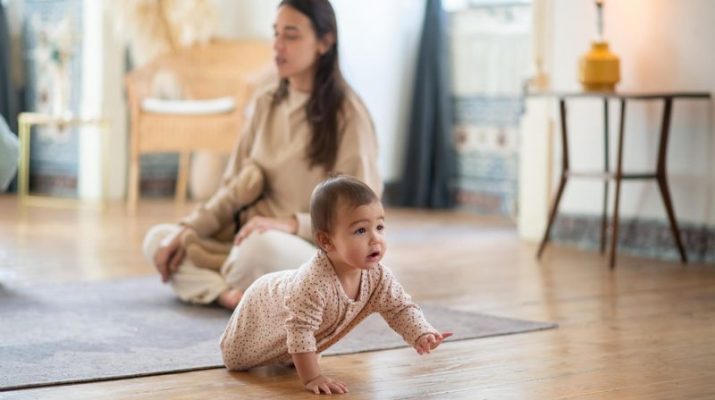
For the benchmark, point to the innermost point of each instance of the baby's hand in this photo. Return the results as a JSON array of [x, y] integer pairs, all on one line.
[[323, 384], [430, 341]]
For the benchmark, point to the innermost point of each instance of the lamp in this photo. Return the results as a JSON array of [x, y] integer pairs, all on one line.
[[599, 69]]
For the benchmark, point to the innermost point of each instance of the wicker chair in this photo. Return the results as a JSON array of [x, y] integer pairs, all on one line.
[[220, 69]]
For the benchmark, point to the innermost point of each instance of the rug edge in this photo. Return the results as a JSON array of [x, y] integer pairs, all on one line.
[[31, 386]]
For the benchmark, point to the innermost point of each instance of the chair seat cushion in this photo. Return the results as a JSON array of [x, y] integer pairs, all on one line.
[[218, 105]]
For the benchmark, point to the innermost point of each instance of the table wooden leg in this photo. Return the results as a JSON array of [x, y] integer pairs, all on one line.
[[562, 181], [183, 177], [552, 215], [23, 181], [661, 176], [604, 218], [618, 179], [133, 187]]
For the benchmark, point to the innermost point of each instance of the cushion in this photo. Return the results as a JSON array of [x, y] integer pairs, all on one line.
[[189, 107]]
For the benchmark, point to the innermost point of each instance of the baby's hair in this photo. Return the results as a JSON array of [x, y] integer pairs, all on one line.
[[327, 195]]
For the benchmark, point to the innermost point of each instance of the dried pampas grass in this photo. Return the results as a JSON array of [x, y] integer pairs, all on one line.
[[155, 27]]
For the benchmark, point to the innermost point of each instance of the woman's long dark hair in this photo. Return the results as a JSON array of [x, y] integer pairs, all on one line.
[[328, 93]]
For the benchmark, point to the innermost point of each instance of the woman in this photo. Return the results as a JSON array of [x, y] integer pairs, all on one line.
[[309, 125]]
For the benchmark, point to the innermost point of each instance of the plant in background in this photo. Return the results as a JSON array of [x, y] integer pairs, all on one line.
[[152, 28], [156, 27]]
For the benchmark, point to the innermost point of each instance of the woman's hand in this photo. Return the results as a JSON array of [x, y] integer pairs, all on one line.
[[170, 254], [430, 341], [323, 384], [262, 224]]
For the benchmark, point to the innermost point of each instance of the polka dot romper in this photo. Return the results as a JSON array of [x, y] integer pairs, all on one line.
[[306, 310]]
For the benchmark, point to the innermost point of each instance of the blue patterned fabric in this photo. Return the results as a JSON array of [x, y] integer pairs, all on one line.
[[487, 110], [486, 135], [639, 237], [54, 155]]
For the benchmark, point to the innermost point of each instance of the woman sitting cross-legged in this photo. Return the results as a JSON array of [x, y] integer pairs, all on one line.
[[307, 126]]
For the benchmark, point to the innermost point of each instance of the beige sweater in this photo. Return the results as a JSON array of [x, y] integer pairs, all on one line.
[[307, 310], [276, 140]]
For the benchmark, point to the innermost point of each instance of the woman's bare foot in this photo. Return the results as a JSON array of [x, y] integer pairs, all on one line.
[[230, 298]]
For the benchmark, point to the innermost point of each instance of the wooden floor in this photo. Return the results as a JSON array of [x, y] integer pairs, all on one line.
[[643, 331]]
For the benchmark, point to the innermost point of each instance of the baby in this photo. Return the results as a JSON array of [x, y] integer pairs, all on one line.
[[290, 317]]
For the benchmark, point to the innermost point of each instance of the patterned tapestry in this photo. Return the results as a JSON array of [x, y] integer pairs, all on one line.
[[52, 31], [491, 57]]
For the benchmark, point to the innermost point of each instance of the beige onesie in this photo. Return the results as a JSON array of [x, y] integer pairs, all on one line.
[[306, 310]]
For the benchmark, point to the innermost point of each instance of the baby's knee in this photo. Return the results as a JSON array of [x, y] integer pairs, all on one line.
[[230, 355]]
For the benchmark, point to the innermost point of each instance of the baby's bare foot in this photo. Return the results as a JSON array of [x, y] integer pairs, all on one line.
[[230, 298]]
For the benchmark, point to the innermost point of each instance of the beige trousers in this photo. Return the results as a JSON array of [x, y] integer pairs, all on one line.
[[258, 254]]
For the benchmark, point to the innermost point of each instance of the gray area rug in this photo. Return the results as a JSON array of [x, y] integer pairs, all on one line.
[[93, 331]]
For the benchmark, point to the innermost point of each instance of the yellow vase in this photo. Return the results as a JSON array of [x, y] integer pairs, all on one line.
[[599, 69]]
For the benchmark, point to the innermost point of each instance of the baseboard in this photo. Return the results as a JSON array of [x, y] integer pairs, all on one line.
[[638, 237]]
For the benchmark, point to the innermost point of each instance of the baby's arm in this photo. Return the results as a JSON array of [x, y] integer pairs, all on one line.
[[309, 372], [404, 316]]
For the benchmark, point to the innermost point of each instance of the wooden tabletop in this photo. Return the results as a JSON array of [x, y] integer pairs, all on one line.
[[68, 119], [622, 95]]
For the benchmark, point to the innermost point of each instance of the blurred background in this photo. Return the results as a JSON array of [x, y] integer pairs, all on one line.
[[72, 59]]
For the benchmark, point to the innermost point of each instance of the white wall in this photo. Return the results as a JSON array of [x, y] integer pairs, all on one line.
[[378, 47], [102, 95], [245, 18], [114, 107], [90, 143], [664, 45], [379, 42]]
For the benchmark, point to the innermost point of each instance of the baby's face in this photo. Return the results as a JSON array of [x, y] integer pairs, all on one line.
[[358, 237]]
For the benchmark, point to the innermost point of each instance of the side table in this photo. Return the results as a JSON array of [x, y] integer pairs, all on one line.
[[660, 174], [25, 122]]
